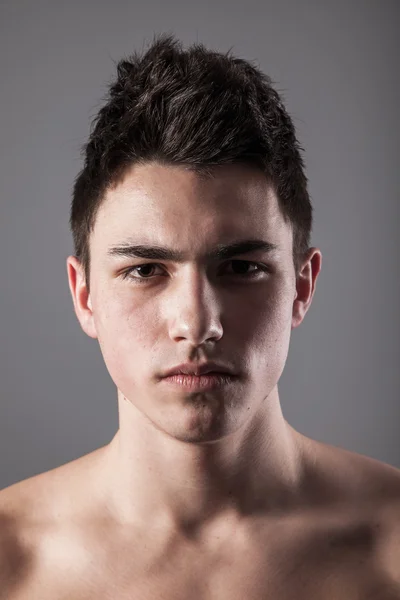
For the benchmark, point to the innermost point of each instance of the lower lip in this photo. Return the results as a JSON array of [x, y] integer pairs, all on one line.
[[199, 382]]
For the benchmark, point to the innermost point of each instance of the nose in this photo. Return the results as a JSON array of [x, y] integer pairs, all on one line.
[[193, 309]]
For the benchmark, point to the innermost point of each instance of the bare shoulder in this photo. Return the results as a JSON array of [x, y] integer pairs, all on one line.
[[16, 549], [382, 483], [370, 489], [30, 510], [12, 555], [367, 480]]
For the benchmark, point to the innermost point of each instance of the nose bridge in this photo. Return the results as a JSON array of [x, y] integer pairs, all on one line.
[[193, 306]]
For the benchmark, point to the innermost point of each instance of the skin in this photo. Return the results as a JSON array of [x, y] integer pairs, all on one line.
[[207, 495], [199, 459]]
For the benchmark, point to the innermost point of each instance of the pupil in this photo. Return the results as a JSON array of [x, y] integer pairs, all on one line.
[[242, 265], [144, 267]]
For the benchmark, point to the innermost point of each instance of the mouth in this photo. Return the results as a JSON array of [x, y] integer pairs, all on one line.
[[209, 381], [199, 369]]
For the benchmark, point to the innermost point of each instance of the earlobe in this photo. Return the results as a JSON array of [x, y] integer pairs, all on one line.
[[300, 305], [80, 297], [305, 285]]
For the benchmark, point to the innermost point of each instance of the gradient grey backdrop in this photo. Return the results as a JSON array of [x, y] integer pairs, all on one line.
[[337, 65]]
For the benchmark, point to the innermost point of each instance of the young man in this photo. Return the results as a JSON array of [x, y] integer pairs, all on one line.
[[191, 223]]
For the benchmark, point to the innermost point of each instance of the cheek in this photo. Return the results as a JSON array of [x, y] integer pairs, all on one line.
[[269, 333], [125, 322], [127, 335], [265, 315]]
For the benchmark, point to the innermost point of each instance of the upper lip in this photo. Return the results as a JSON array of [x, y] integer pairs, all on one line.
[[198, 369]]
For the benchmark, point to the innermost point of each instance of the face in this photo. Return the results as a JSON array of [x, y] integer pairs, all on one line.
[[151, 315]]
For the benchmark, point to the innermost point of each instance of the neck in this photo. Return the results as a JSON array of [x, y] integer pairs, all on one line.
[[151, 476]]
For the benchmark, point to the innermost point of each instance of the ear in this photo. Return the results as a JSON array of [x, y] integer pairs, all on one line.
[[80, 296], [305, 285]]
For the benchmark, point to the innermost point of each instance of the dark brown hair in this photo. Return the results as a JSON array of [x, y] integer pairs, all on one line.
[[197, 108]]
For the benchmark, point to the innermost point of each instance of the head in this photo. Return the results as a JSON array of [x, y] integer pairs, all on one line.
[[192, 151]]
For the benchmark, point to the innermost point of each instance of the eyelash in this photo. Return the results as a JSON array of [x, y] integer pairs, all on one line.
[[261, 268]]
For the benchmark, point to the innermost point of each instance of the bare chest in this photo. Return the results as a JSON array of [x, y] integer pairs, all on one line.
[[330, 564]]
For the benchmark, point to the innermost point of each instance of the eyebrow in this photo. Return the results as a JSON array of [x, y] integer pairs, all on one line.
[[221, 252]]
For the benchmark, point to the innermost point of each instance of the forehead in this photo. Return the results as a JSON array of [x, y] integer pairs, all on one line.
[[174, 205]]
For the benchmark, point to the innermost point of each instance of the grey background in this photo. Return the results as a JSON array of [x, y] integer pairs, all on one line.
[[336, 64]]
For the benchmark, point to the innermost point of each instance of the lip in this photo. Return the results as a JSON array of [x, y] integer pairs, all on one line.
[[199, 383], [199, 369]]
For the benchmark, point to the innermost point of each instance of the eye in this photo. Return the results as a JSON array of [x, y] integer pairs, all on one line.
[[240, 266], [145, 267]]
